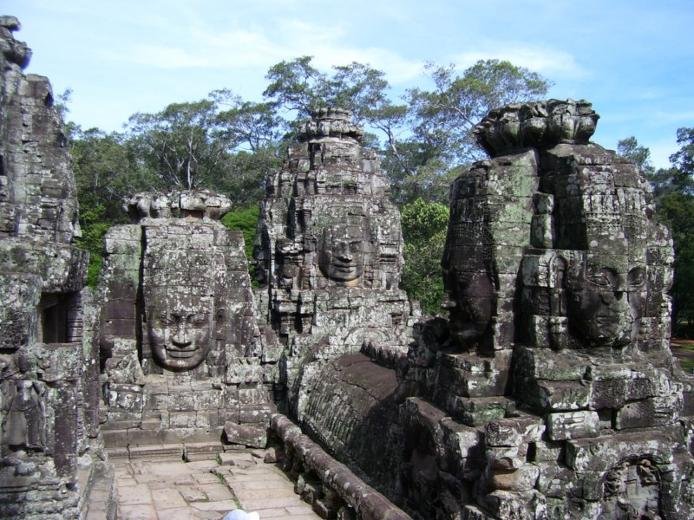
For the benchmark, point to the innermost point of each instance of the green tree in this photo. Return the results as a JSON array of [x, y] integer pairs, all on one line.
[[250, 133], [683, 162], [677, 211], [441, 120], [421, 139], [630, 148], [106, 172], [107, 169], [424, 226], [244, 219], [178, 143], [297, 86]]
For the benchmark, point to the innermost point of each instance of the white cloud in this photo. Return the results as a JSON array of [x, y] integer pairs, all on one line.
[[674, 116], [536, 58], [260, 47]]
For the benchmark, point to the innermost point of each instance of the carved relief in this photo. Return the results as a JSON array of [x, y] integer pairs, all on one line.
[[180, 325], [631, 490]]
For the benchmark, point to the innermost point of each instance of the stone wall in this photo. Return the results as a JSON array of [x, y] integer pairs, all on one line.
[[329, 486], [50, 444]]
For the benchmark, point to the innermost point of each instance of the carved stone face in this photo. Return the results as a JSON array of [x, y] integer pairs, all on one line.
[[603, 305], [472, 306], [180, 330], [341, 253]]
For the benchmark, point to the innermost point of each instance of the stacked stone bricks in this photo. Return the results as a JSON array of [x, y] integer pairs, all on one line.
[[552, 392], [49, 447], [183, 357]]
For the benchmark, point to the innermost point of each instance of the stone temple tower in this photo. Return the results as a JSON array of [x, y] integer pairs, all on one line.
[[556, 370], [330, 252], [182, 355]]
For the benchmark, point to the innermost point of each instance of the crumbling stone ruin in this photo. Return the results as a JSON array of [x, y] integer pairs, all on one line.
[[330, 255], [182, 355], [548, 392], [553, 393], [50, 449]]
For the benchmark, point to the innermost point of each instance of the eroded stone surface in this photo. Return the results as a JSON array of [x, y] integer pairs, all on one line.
[[50, 446], [330, 254], [556, 358], [182, 353], [206, 490]]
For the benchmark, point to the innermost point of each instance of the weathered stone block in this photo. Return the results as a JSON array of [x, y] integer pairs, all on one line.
[[478, 411], [639, 414], [251, 435], [519, 480], [572, 425], [182, 419]]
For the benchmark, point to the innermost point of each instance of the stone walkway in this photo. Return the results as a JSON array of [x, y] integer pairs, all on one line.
[[205, 490]]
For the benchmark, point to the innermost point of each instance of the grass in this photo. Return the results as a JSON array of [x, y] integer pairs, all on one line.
[[684, 350]]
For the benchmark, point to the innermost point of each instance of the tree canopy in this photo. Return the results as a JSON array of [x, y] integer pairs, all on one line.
[[230, 145]]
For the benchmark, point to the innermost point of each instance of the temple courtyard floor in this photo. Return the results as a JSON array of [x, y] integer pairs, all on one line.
[[170, 489]]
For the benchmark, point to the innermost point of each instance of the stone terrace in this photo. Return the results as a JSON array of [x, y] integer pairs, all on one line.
[[172, 489]]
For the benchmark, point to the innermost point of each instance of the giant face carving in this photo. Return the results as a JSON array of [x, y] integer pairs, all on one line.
[[341, 253], [180, 326], [604, 304], [472, 305]]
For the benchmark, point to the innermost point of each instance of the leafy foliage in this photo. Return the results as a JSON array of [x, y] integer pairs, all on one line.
[[424, 226], [244, 219], [641, 155], [230, 145]]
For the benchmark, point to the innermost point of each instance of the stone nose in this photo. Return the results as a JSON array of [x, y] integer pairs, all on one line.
[[612, 297], [181, 337], [343, 252]]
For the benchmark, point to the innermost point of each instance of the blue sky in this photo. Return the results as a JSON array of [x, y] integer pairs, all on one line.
[[633, 59]]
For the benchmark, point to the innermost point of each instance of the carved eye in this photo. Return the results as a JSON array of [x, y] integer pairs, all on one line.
[[355, 246], [636, 277], [198, 318], [170, 319], [601, 278]]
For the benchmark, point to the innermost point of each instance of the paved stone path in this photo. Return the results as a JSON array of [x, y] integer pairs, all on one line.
[[205, 490]]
